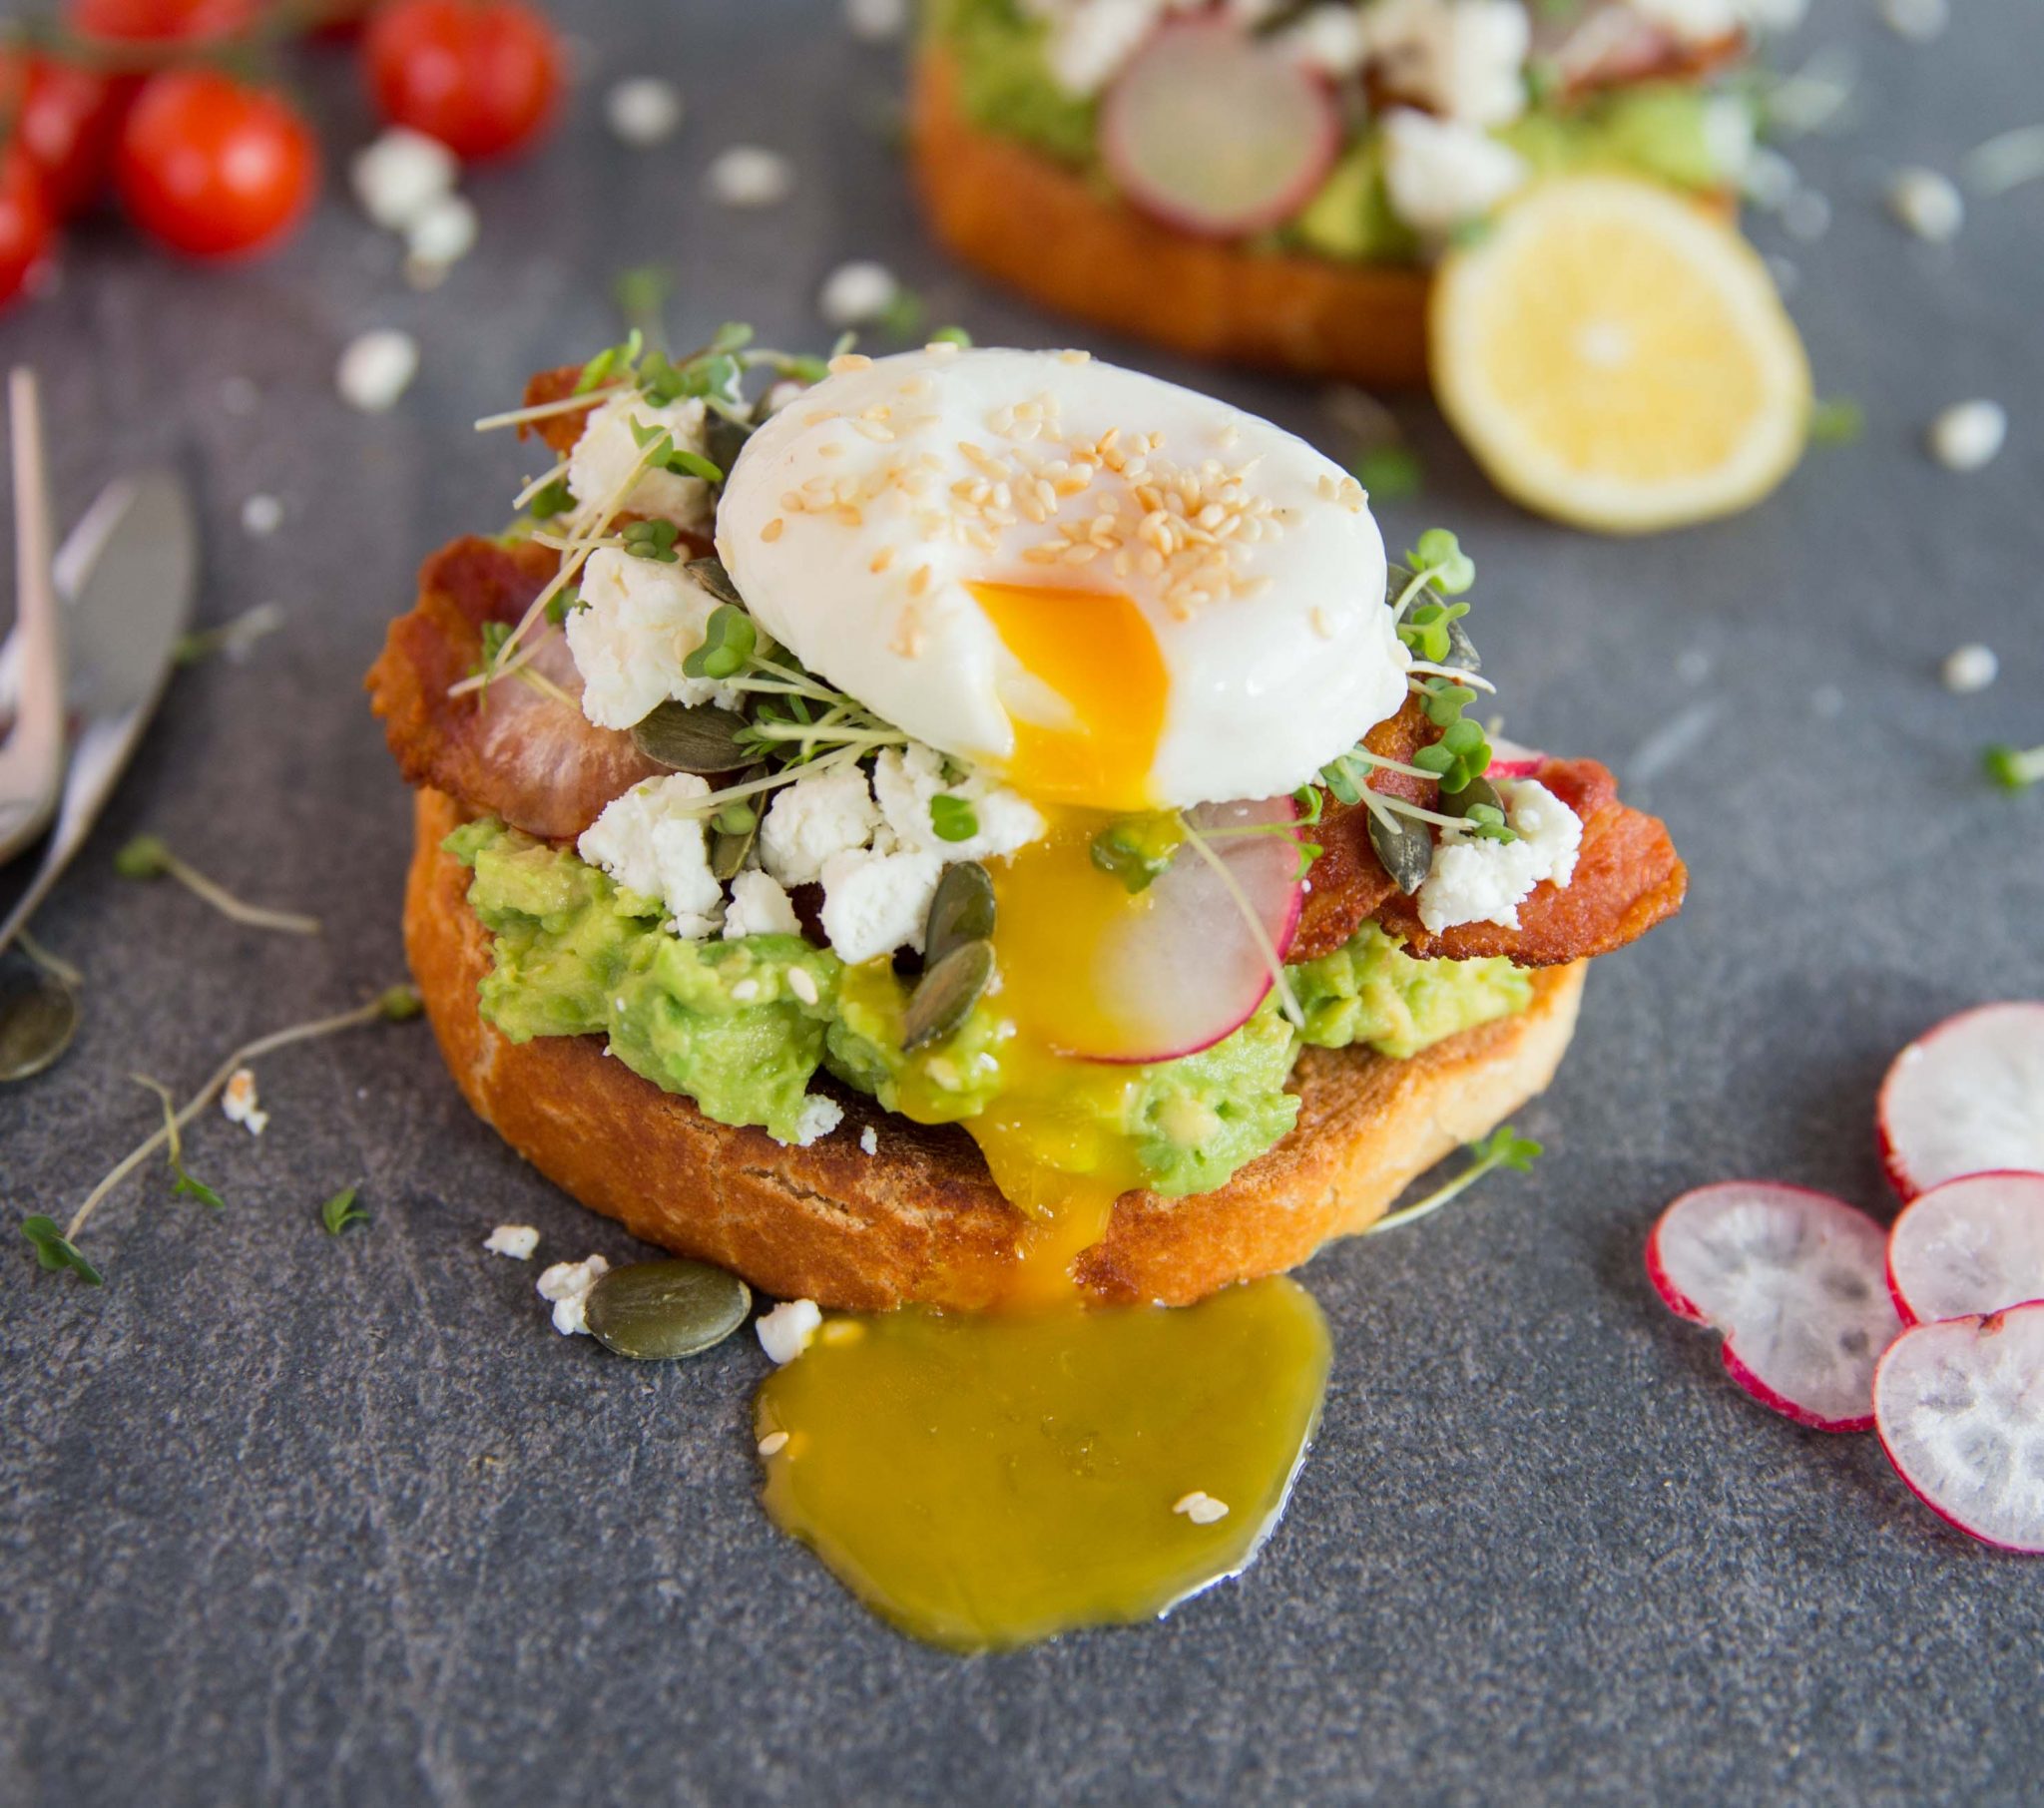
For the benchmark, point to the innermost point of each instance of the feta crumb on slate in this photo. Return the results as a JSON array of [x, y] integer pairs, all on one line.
[[606, 455], [1917, 20], [566, 1287], [820, 814], [649, 843], [1970, 668], [874, 903], [643, 111], [399, 176], [376, 369], [638, 621], [1088, 45], [1806, 215], [238, 1103], [876, 21], [1334, 39], [907, 779], [1475, 881], [1441, 174], [758, 907], [261, 516], [856, 293], [820, 1115], [869, 1140], [1465, 61], [518, 1241], [749, 176], [1967, 435], [239, 395], [784, 1332], [1928, 203], [1202, 1508], [442, 235]]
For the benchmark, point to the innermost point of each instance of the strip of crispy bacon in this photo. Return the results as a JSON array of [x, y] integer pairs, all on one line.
[[511, 751], [1628, 877], [560, 431]]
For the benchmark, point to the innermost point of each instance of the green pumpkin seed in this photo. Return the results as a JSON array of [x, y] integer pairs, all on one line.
[[961, 911], [1404, 845], [944, 996], [711, 576], [701, 740], [723, 439], [1462, 654], [1477, 790], [652, 1311]]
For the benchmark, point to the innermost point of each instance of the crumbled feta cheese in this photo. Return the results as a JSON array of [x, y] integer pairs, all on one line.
[[1332, 39], [238, 1105], [1475, 881], [261, 516], [1729, 135], [1768, 178], [643, 111], [1091, 40], [905, 779], [1967, 435], [638, 621], [440, 238], [650, 843], [1202, 1508], [856, 293], [820, 1115], [518, 1241], [876, 21], [820, 814], [566, 1287], [747, 176], [1442, 174], [869, 1140], [1928, 203], [606, 455], [803, 983], [875, 903], [1917, 20], [375, 369], [1970, 668], [1465, 60], [1806, 215], [758, 907], [785, 1332], [401, 174]]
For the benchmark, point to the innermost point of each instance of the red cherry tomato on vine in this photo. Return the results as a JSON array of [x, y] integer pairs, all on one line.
[[160, 21], [481, 76], [64, 122], [212, 166], [24, 222]]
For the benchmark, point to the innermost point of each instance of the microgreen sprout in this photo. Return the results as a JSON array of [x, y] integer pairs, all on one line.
[[903, 316], [953, 818], [150, 857], [651, 539], [951, 335], [188, 1184], [1139, 850], [56, 1252], [564, 603], [2014, 769], [1390, 472], [550, 500], [1836, 421], [662, 454], [729, 642], [340, 1211], [1503, 1148], [233, 637], [641, 295], [1440, 558]]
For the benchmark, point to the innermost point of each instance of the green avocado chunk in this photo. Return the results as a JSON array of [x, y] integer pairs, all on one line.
[[1370, 991], [1005, 83]]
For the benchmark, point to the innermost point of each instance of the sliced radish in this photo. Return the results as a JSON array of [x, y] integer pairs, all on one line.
[[1961, 1412], [1511, 761], [1218, 132], [1974, 1244], [1966, 1098], [1795, 1281], [1169, 969]]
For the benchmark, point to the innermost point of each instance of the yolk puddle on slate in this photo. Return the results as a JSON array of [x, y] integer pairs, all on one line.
[[987, 1479]]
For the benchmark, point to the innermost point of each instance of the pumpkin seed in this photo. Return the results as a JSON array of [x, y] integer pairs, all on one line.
[[944, 996], [652, 1311], [701, 738], [963, 911], [728, 847], [711, 576], [1404, 845], [723, 439], [1462, 654], [1477, 790]]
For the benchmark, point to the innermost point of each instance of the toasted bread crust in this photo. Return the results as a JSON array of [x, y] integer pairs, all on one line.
[[921, 1220], [1022, 218]]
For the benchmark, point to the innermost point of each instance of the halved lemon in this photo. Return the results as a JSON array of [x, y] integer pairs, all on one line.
[[1616, 359]]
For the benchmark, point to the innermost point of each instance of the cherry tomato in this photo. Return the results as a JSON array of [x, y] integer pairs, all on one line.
[[481, 76], [160, 21], [64, 121], [24, 222], [212, 166]]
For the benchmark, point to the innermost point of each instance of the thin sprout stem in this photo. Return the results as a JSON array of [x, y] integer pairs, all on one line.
[[844, 737], [1434, 1200], [538, 484], [241, 1057], [545, 411], [710, 805], [1264, 946], [54, 965], [290, 922], [546, 687], [1420, 581], [1461, 677], [1389, 765]]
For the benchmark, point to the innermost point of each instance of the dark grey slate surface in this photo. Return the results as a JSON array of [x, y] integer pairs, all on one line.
[[290, 1519]]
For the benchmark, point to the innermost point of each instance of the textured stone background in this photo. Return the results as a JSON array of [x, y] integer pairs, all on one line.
[[286, 1518]]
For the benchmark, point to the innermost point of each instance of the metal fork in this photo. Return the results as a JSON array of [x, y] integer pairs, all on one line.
[[31, 758]]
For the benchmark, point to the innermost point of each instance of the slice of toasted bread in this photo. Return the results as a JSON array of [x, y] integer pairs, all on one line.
[[922, 1220], [1026, 221]]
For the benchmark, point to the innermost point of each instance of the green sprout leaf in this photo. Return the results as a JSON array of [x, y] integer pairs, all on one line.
[[951, 335], [1441, 556], [563, 604], [1836, 421], [654, 538], [612, 360], [555, 499], [399, 1004], [1503, 1148], [145, 857], [56, 1252], [728, 641], [189, 1185], [903, 316], [340, 1211], [2013, 769], [1390, 473], [953, 818], [1139, 850]]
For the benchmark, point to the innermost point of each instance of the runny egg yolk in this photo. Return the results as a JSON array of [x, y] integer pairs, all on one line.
[[1090, 710]]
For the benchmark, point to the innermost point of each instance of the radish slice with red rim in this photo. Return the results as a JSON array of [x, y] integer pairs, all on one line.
[[1795, 1280], [1960, 1412], [1511, 761], [1218, 132], [1966, 1098], [1972, 1245]]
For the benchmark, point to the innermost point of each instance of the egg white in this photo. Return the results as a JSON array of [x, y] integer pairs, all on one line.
[[1264, 686]]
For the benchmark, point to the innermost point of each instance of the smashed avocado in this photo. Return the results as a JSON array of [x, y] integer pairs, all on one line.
[[720, 1023], [1004, 80]]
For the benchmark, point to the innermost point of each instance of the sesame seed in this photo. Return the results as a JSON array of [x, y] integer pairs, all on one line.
[[772, 531], [881, 560], [920, 581], [774, 1444], [849, 360]]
